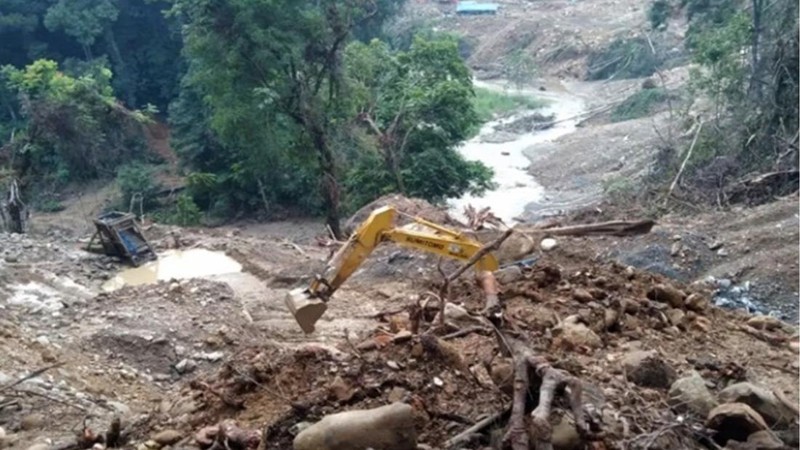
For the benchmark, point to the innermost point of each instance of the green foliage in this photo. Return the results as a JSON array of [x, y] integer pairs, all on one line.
[[489, 103], [623, 58], [187, 213], [50, 205], [619, 189], [74, 130], [417, 106], [723, 67], [133, 37], [136, 179], [658, 13], [640, 104], [83, 20]]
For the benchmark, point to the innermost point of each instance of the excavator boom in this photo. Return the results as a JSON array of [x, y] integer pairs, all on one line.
[[309, 304]]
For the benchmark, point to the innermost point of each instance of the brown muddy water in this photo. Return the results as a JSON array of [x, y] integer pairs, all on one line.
[[176, 264]]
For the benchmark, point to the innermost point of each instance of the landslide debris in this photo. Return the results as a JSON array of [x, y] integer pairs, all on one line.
[[651, 377]]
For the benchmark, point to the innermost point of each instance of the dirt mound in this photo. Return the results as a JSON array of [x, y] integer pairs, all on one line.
[[626, 335], [413, 207]]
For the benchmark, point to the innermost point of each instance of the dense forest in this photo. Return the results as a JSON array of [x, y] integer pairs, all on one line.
[[271, 104], [315, 106]]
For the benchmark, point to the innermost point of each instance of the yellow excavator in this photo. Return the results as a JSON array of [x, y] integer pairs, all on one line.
[[309, 304]]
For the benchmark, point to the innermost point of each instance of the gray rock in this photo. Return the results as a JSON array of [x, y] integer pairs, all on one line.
[[761, 399], [32, 422], [186, 365], [666, 293], [121, 408], [764, 440], [39, 446], [574, 334], [647, 369], [565, 435], [389, 427], [167, 437], [675, 316], [690, 394]]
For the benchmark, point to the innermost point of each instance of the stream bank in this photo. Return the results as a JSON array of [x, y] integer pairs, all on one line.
[[515, 187]]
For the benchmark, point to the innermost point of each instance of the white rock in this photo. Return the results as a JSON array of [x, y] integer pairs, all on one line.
[[548, 244]]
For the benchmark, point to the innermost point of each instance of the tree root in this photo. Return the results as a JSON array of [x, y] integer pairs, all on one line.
[[553, 382]]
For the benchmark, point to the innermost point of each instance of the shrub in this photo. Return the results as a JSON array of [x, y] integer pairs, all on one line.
[[658, 13], [135, 179], [623, 58], [187, 213], [638, 105]]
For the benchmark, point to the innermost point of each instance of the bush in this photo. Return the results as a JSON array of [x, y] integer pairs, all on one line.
[[640, 104], [488, 103], [75, 128], [658, 13], [135, 179], [49, 205], [623, 58], [187, 213]]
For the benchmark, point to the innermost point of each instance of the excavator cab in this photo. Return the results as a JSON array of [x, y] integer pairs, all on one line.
[[308, 304]]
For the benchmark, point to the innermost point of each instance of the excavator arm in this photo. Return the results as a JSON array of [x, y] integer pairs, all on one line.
[[308, 304]]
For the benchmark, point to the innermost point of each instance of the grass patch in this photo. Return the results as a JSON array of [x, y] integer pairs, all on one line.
[[640, 104], [489, 103]]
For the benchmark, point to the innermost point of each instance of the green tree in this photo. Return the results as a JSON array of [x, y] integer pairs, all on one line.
[[414, 104], [84, 20], [271, 72], [519, 68]]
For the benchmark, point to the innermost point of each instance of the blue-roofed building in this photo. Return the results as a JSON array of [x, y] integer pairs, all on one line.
[[476, 8]]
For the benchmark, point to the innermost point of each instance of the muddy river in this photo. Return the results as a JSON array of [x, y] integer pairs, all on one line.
[[516, 188], [176, 264]]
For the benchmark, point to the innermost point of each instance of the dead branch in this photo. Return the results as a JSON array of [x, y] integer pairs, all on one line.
[[683, 164], [613, 228], [464, 332], [296, 247], [494, 245], [467, 434], [33, 374]]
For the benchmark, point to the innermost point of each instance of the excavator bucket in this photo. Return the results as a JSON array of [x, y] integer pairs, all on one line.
[[305, 308]]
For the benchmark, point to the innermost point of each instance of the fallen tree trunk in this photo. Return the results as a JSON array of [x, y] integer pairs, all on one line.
[[613, 228]]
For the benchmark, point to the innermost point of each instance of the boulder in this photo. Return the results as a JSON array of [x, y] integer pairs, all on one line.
[[762, 400], [340, 390], [734, 421], [666, 293], [389, 427], [760, 440], [647, 369], [696, 302], [573, 334], [565, 435], [167, 437], [32, 422], [582, 295], [675, 316], [768, 323], [690, 394]]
